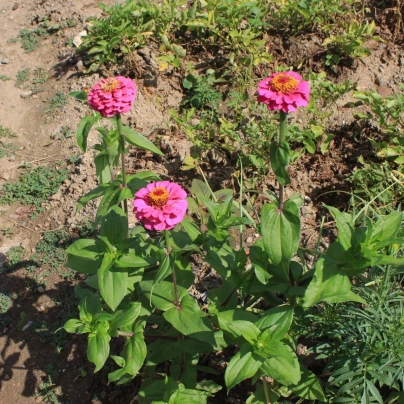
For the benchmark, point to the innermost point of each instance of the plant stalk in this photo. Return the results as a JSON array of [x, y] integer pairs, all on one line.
[[282, 135], [122, 150], [266, 390], [168, 247]]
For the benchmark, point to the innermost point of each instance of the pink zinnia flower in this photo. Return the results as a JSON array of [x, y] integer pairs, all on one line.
[[111, 96], [284, 91], [161, 205]]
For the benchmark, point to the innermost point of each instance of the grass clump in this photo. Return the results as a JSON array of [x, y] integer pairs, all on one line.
[[54, 104], [22, 76], [34, 187], [3, 77], [6, 132]]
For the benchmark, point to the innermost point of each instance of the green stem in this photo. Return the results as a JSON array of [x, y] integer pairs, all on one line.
[[122, 151], [241, 201], [283, 129], [206, 182], [168, 247], [266, 390]]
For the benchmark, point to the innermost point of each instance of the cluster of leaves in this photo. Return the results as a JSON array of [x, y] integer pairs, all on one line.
[[29, 39], [130, 275], [364, 345], [384, 126], [34, 187]]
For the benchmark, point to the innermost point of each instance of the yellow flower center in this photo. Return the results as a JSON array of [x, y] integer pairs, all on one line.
[[110, 84], [283, 83], [158, 197]]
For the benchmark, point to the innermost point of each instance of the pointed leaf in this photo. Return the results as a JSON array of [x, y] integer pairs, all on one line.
[[329, 285], [243, 365], [136, 139], [98, 348], [112, 282], [280, 231]]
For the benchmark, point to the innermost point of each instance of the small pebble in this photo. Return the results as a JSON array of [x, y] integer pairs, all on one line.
[[249, 240], [6, 377], [41, 289], [5, 61], [26, 94], [15, 6]]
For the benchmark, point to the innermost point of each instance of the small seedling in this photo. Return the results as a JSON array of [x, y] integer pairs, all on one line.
[[56, 103], [22, 76]]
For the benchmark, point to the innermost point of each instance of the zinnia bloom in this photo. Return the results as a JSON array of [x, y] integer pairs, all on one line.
[[161, 205], [111, 96], [284, 91]]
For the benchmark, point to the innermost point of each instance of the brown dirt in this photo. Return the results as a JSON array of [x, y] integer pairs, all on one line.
[[24, 356]]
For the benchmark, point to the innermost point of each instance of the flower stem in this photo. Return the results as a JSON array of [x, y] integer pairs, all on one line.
[[168, 247], [122, 151], [282, 135], [266, 390]]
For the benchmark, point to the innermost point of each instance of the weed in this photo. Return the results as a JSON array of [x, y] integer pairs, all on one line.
[[5, 303], [350, 43], [22, 76], [57, 102], [34, 187], [363, 345], [6, 132], [15, 255], [3, 77], [40, 77], [47, 389], [202, 92], [7, 149], [65, 133], [74, 159], [29, 40]]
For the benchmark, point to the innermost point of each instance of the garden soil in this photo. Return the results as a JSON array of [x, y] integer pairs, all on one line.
[[28, 363]]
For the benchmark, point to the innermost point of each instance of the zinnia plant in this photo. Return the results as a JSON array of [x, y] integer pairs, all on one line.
[[141, 284]]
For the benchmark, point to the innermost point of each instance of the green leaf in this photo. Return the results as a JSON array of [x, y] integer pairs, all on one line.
[[308, 387], [386, 227], [132, 260], [235, 221], [136, 139], [200, 189], [95, 193], [208, 385], [84, 128], [112, 282], [245, 329], [134, 353], [161, 295], [374, 391], [280, 231], [98, 348], [126, 317], [280, 318], [282, 364], [280, 155], [79, 95], [190, 320], [243, 365], [345, 227], [164, 270], [188, 396], [329, 285], [102, 168], [114, 226], [73, 325], [191, 228]]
